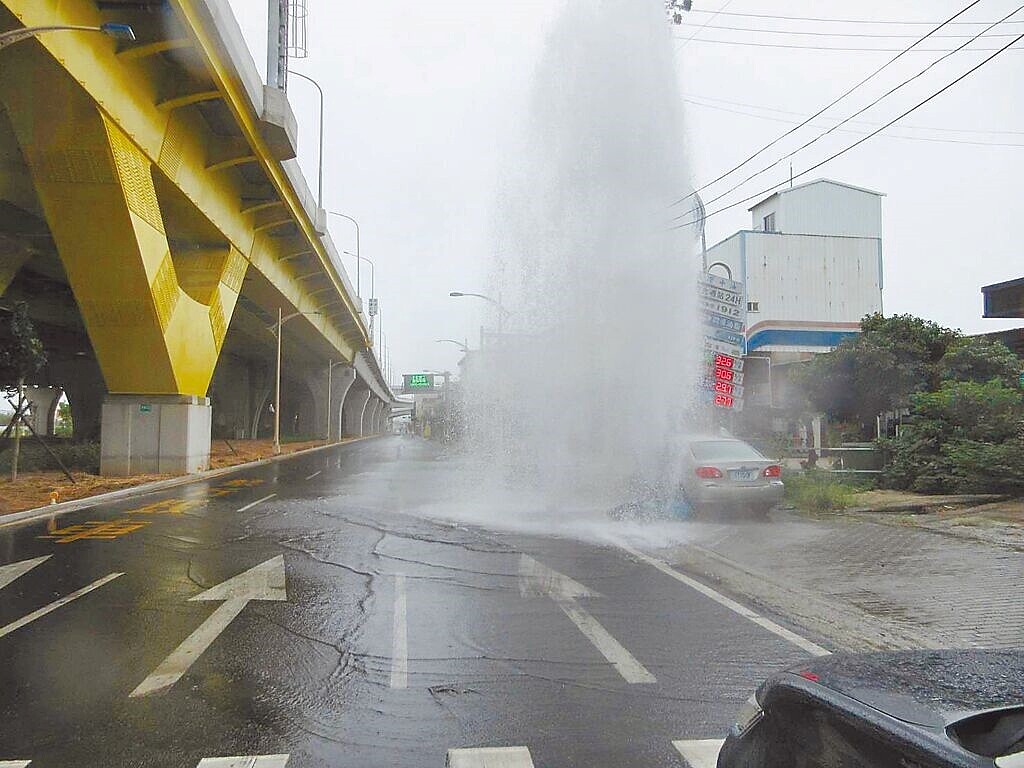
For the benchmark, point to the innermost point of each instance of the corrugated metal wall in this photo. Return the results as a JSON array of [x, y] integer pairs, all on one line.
[[808, 278]]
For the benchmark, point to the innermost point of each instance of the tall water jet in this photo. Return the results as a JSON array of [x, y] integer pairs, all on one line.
[[586, 385]]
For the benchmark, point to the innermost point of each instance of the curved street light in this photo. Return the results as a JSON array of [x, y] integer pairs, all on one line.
[[496, 302], [110, 29], [320, 155], [346, 216], [462, 345]]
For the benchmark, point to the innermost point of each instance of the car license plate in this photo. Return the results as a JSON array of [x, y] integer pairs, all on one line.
[[741, 474]]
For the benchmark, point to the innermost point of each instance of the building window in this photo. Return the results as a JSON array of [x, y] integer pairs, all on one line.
[[769, 222], [753, 306]]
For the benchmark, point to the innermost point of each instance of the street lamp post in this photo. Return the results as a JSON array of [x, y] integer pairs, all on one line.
[[373, 281], [346, 216], [496, 302], [110, 29], [281, 320], [320, 156], [461, 344]]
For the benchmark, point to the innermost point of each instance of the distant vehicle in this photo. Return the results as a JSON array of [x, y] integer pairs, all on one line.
[[726, 473], [903, 709]]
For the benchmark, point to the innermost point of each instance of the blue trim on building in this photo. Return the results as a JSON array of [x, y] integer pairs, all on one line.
[[791, 337]]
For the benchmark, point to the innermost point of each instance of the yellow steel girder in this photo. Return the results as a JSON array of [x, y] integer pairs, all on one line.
[[178, 145]]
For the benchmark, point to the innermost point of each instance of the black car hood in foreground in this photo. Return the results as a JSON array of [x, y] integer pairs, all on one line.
[[929, 688]]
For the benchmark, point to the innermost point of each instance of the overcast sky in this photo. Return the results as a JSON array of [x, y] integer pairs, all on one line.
[[424, 102]]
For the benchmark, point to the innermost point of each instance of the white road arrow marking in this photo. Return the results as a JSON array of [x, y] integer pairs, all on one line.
[[264, 582], [489, 757], [536, 579], [400, 638], [38, 614], [15, 763], [700, 753], [250, 761], [10, 572]]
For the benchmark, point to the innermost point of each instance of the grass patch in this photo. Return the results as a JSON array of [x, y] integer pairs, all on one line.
[[820, 491]]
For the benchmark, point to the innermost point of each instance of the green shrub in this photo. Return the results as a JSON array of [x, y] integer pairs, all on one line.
[[964, 438], [820, 491]]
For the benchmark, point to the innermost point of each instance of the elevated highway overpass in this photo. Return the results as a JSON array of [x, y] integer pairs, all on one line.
[[154, 219]]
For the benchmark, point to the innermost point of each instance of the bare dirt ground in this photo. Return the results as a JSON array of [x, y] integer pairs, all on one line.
[[34, 489], [989, 519]]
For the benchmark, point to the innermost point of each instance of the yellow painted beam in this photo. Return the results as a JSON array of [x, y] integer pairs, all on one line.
[[186, 100], [145, 50], [181, 145], [232, 162], [229, 83]]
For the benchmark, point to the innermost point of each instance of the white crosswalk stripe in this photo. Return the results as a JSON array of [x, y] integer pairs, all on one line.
[[699, 753], [489, 757], [246, 761]]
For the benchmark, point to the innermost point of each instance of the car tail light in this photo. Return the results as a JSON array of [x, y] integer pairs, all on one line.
[[709, 473], [773, 471]]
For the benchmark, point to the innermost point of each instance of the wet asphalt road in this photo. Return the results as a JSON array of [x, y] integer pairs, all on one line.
[[400, 636]]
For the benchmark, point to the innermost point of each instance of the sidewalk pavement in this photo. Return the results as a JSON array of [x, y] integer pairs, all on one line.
[[864, 584]]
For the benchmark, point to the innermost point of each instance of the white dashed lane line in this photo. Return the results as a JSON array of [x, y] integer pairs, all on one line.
[[249, 506]]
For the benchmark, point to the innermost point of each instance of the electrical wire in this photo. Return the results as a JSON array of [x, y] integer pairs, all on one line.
[[711, 18], [859, 133], [715, 100], [841, 21], [831, 104], [749, 44], [816, 33], [861, 111], [857, 143]]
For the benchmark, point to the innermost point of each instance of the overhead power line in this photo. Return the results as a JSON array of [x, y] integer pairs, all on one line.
[[819, 33], [857, 143], [843, 21], [860, 111], [832, 103], [697, 98], [974, 142], [751, 44], [709, 20]]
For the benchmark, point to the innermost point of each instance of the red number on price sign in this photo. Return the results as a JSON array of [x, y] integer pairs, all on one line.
[[723, 374], [724, 401], [724, 361], [723, 387]]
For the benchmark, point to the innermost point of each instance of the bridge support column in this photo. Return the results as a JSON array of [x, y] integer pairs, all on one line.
[[158, 434], [342, 379], [43, 401], [156, 312], [355, 404]]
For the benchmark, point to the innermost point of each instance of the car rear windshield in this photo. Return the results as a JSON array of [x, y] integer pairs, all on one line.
[[724, 450]]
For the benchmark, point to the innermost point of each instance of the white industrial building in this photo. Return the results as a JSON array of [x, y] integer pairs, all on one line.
[[812, 267]]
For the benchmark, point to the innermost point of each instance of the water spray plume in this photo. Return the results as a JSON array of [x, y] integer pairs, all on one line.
[[583, 391]]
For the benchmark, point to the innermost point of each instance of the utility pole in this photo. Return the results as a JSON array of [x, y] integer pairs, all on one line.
[[277, 44], [277, 389]]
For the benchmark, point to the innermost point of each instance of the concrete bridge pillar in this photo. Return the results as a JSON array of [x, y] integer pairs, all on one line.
[[341, 379], [156, 314], [355, 405], [372, 419], [43, 402]]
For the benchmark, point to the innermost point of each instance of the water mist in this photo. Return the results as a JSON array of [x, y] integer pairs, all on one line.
[[584, 389]]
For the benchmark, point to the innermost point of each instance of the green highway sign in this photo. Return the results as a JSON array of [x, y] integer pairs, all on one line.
[[417, 382]]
